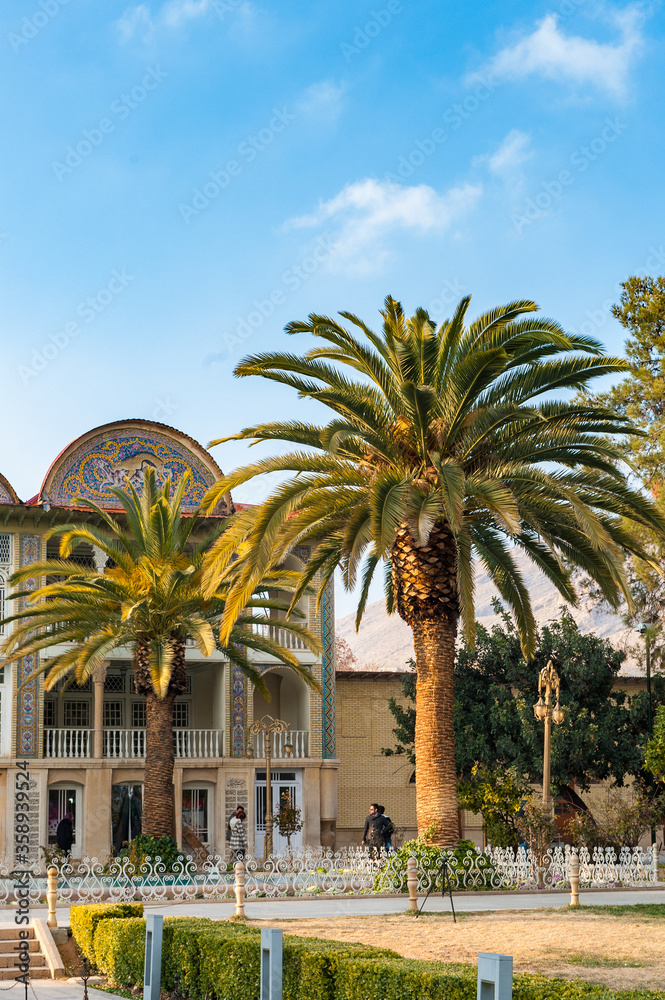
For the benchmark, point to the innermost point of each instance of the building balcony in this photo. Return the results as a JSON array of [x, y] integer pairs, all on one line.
[[280, 635], [297, 739], [129, 744]]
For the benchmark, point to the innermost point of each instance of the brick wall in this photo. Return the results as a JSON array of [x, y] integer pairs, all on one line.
[[364, 726]]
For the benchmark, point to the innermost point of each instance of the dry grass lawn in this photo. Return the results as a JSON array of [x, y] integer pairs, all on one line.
[[623, 949]]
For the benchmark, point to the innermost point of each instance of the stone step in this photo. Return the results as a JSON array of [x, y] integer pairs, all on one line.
[[38, 973], [13, 933], [36, 959], [9, 947]]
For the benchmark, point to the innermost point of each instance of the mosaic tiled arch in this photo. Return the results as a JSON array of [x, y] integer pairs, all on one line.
[[117, 454], [7, 492]]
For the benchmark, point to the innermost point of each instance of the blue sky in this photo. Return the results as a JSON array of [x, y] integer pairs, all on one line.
[[182, 178]]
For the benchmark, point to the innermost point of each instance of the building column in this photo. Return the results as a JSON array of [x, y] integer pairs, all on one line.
[[177, 802], [98, 710], [97, 812]]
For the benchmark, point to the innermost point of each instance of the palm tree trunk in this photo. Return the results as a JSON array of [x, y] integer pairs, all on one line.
[[436, 777], [158, 806], [426, 595], [158, 802]]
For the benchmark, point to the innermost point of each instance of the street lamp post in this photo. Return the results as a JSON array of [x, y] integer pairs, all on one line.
[[548, 683], [267, 725], [647, 630]]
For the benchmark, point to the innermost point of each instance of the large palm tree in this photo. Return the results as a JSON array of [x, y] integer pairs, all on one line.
[[150, 600], [445, 445]]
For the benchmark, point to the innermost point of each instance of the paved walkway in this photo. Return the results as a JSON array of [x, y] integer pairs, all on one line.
[[289, 908], [54, 989]]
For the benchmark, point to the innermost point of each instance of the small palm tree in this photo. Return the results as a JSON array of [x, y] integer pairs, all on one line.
[[445, 445], [150, 600]]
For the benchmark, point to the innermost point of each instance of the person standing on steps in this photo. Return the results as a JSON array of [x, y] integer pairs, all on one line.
[[238, 841]]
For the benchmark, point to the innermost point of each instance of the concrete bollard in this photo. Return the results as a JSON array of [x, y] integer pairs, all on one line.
[[654, 863], [412, 883], [271, 963], [574, 869], [52, 895], [152, 965], [495, 976], [240, 890]]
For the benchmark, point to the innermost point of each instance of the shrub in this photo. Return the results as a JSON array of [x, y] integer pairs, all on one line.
[[146, 846], [84, 920], [120, 950], [392, 877], [223, 960], [618, 822]]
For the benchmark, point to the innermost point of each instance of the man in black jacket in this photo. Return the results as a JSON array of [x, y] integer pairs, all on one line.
[[373, 834]]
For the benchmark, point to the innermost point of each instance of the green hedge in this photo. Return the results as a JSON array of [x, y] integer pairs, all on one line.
[[222, 959], [84, 920]]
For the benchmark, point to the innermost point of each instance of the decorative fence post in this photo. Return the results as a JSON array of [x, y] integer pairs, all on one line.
[[574, 870], [654, 863], [495, 976], [152, 966], [52, 895], [412, 883], [271, 963], [240, 890]]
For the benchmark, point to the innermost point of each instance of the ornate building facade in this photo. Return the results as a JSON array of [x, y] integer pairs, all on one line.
[[85, 746]]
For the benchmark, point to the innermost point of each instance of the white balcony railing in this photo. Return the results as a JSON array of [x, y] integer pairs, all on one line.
[[198, 742], [130, 743], [298, 739], [281, 635], [68, 743], [126, 743]]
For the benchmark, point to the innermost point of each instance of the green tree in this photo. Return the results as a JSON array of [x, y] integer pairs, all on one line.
[[640, 397], [604, 731], [654, 754], [150, 599], [444, 444], [498, 793]]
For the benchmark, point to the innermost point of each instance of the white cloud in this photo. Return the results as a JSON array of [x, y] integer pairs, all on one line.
[[322, 101], [511, 154], [135, 20], [368, 211], [175, 13], [550, 53]]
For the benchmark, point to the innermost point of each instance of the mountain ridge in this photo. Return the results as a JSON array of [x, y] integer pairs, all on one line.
[[384, 641]]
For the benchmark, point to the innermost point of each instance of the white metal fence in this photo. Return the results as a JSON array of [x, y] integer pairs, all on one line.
[[308, 872]]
